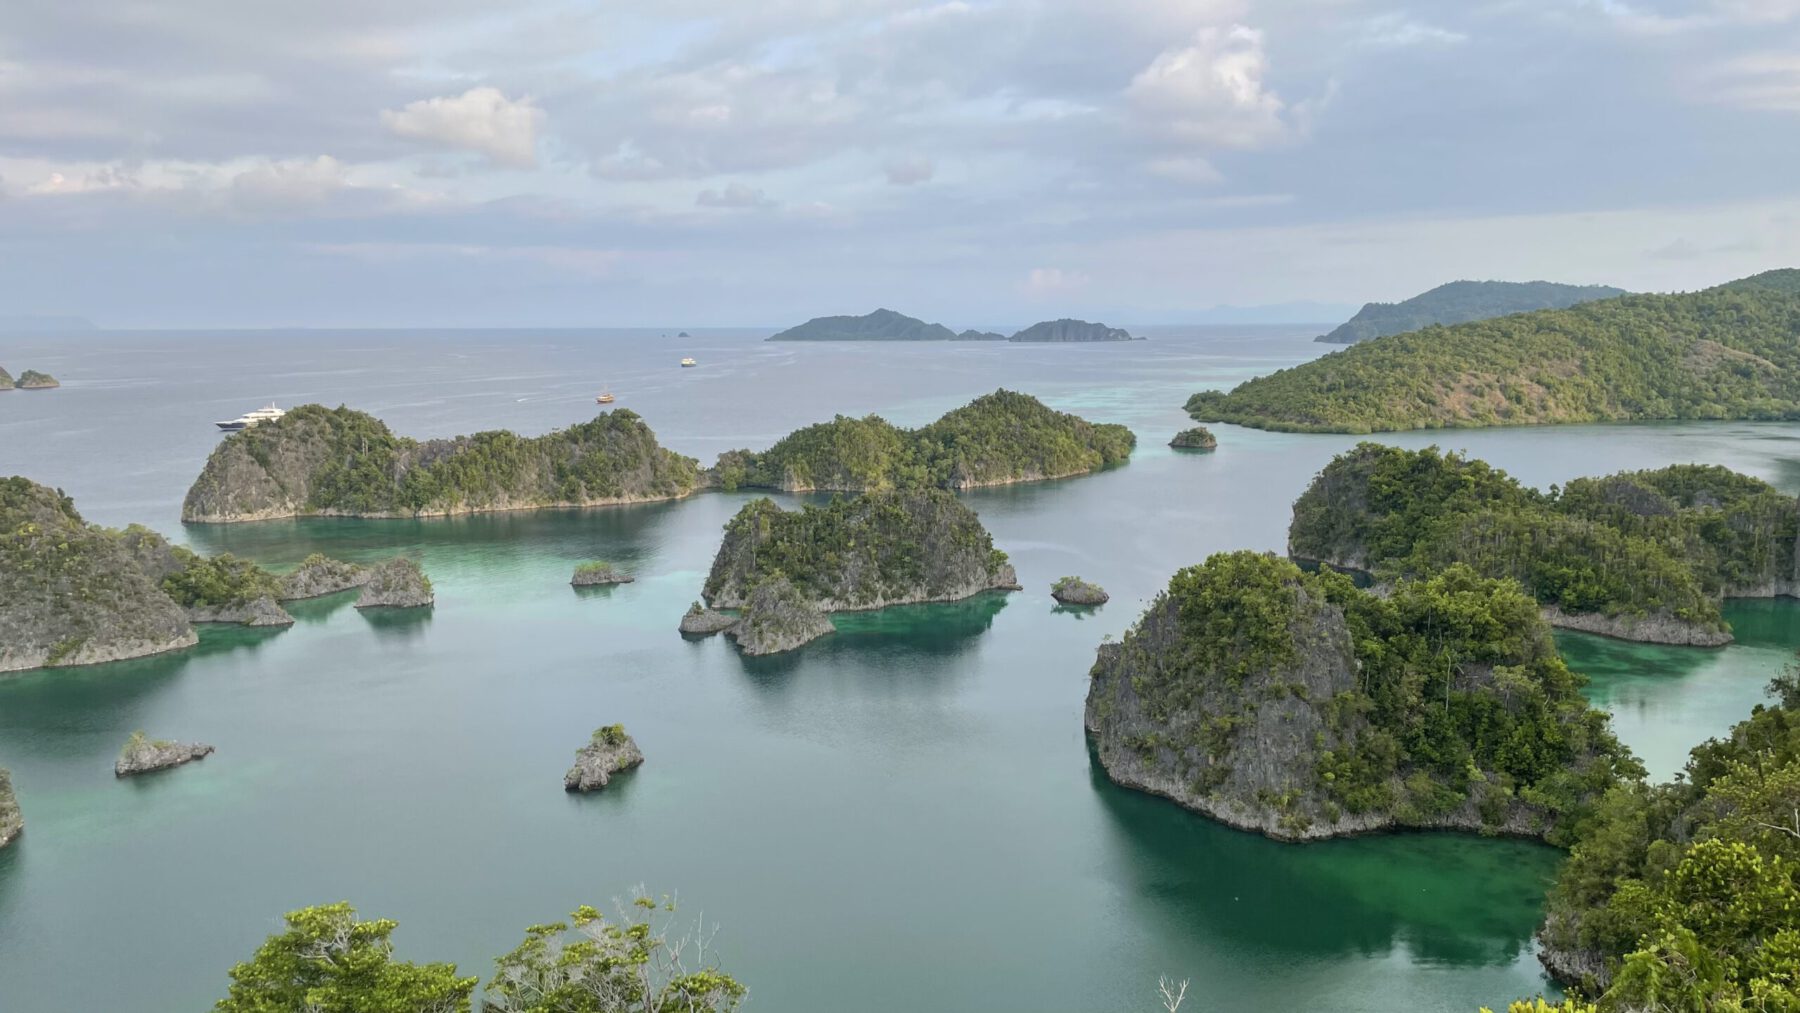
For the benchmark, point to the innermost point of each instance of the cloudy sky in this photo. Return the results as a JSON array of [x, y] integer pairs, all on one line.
[[982, 162]]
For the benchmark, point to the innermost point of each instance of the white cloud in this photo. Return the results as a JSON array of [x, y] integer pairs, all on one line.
[[481, 120], [910, 170], [1768, 81], [289, 182], [1185, 169], [734, 195], [1054, 281], [1211, 90], [1398, 31]]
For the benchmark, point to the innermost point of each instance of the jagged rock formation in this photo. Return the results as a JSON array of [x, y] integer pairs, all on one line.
[[607, 753], [72, 593], [318, 575], [1461, 302], [875, 550], [1075, 591], [700, 621], [778, 617], [12, 821], [31, 379], [255, 612], [598, 573], [142, 755], [881, 325], [996, 439], [397, 583], [339, 462], [1197, 438], [1297, 706]]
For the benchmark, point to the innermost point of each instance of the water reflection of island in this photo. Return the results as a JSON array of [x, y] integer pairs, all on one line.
[[1447, 898]]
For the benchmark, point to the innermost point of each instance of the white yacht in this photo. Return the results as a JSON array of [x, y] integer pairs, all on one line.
[[248, 419], [688, 362]]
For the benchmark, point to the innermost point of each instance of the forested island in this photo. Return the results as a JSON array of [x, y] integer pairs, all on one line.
[[1460, 302], [786, 568], [345, 463], [1298, 706], [1639, 555], [1730, 352], [74, 593], [997, 439], [1685, 896], [887, 325], [31, 379]]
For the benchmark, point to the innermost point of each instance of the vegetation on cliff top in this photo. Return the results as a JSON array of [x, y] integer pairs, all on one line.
[[880, 548], [1667, 542], [1460, 302], [1685, 896], [337, 460], [1454, 693], [1731, 352], [1000, 437], [221, 580], [329, 961]]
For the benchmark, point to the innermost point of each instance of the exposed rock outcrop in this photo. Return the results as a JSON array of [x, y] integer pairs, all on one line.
[[318, 575], [263, 611], [1242, 694], [597, 574], [397, 583], [1647, 629], [1075, 591], [700, 621], [880, 549], [142, 755], [12, 821], [339, 462], [1197, 438], [776, 618], [607, 753], [72, 593]]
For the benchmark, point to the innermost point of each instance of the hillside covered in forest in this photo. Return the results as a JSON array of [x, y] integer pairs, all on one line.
[[1460, 302]]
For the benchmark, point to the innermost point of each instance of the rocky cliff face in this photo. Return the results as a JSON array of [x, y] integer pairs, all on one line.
[[319, 575], [397, 583], [12, 821], [778, 617], [876, 550], [607, 753], [1072, 330], [700, 621], [339, 462], [599, 575], [263, 611], [71, 593], [1242, 694], [1659, 628], [142, 755], [1075, 591]]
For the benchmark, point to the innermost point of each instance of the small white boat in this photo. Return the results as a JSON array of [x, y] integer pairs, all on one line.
[[249, 419], [685, 363], [604, 397]]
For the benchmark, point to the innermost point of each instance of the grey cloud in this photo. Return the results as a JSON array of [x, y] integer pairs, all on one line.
[[734, 195]]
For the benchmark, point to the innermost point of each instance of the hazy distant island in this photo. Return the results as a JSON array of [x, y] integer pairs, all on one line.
[[1460, 302], [1730, 352], [31, 379], [1298, 706], [887, 325], [785, 569], [345, 463], [997, 439], [1641, 555]]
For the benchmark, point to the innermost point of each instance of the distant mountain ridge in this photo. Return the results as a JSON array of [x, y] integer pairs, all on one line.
[[887, 325], [1461, 302]]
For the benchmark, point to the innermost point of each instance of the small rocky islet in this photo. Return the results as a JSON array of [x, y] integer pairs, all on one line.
[[1075, 591], [142, 754], [887, 325], [397, 583], [609, 751], [599, 573], [1196, 438]]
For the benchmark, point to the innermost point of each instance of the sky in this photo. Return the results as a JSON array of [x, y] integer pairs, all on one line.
[[216, 163]]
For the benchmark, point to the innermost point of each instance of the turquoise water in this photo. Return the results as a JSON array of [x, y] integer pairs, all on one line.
[[905, 812]]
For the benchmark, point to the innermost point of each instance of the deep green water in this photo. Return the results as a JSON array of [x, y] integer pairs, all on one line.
[[904, 813]]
